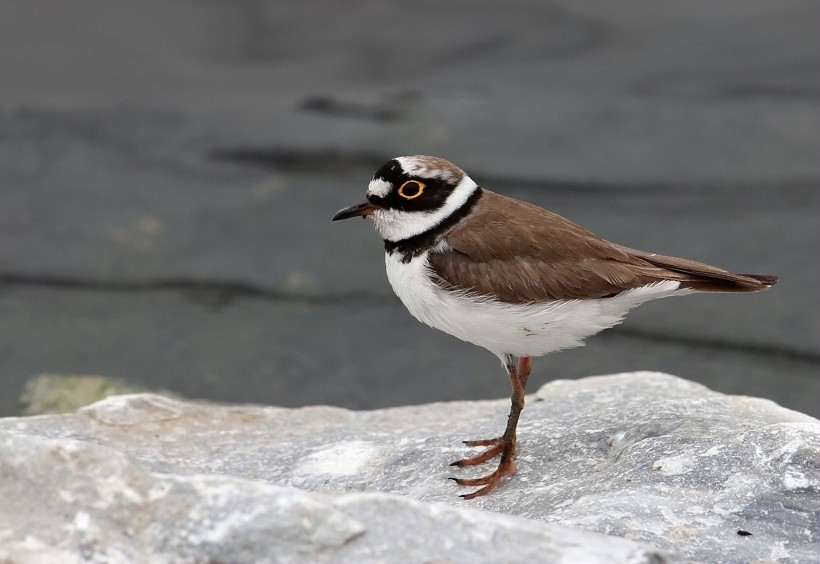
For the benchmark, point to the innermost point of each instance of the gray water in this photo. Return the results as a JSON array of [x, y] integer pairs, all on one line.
[[168, 171]]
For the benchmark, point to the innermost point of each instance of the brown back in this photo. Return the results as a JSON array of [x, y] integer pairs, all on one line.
[[522, 253]]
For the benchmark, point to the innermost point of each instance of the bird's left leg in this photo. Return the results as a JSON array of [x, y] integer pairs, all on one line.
[[518, 371]]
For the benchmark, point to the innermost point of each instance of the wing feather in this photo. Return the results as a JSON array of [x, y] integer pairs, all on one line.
[[535, 255]]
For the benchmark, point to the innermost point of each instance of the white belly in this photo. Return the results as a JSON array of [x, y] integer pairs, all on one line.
[[520, 330]]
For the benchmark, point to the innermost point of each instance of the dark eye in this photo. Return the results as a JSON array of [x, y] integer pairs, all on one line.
[[411, 189]]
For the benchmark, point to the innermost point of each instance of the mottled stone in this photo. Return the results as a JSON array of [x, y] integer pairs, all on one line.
[[644, 456], [89, 503]]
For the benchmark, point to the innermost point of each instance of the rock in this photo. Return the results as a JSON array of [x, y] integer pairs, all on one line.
[[648, 457], [91, 503], [62, 393]]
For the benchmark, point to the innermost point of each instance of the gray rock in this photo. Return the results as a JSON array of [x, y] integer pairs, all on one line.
[[89, 503], [643, 456]]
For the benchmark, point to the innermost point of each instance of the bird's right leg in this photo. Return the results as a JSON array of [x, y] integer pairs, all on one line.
[[506, 444]]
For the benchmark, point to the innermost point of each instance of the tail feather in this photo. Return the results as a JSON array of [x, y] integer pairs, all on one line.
[[766, 279], [743, 283], [704, 277]]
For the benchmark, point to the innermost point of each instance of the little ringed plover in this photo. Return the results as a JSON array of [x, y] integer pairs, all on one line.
[[512, 277]]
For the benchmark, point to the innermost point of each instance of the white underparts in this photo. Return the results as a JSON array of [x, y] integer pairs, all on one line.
[[395, 225], [517, 329]]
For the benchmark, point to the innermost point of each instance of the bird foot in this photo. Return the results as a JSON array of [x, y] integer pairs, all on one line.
[[505, 468], [495, 445]]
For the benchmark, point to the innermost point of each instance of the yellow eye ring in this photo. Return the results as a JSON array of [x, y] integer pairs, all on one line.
[[409, 184]]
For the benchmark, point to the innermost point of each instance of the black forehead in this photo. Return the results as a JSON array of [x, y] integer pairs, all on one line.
[[392, 172]]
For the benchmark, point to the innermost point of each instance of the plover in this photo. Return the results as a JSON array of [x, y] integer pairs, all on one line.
[[512, 277]]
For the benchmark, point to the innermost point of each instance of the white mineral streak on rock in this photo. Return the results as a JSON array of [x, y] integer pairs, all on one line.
[[674, 465], [343, 459]]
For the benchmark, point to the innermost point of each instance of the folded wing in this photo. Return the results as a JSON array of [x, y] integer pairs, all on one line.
[[535, 255]]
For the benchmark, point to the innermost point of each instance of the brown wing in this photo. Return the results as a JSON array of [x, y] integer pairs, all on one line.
[[535, 255]]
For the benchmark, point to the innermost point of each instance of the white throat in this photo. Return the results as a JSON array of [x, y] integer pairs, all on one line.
[[396, 225]]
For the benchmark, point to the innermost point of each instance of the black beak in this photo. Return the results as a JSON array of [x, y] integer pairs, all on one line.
[[359, 210]]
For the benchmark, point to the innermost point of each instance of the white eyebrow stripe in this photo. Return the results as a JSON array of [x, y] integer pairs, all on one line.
[[378, 187]]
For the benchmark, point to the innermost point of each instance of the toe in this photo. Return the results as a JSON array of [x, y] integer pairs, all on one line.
[[482, 481], [491, 452], [483, 491], [485, 442]]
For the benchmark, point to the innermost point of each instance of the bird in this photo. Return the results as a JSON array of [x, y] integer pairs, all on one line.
[[512, 277]]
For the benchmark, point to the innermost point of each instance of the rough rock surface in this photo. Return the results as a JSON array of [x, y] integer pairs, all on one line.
[[139, 516], [644, 456]]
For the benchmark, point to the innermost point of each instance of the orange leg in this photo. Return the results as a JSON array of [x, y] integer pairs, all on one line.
[[518, 371]]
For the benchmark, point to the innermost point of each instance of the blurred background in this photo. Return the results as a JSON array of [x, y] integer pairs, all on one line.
[[169, 168]]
